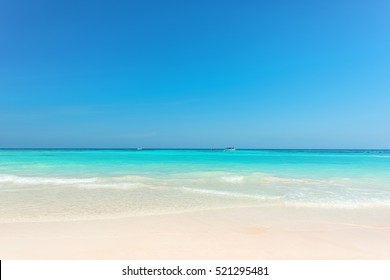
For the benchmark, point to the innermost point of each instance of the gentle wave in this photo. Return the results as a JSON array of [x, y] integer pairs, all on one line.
[[348, 202], [230, 194], [233, 179], [260, 187], [116, 186], [340, 204], [224, 177], [12, 179]]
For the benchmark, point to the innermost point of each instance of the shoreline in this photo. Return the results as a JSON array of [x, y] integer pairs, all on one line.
[[231, 233]]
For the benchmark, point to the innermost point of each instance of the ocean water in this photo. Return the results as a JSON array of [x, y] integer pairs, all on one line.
[[54, 185]]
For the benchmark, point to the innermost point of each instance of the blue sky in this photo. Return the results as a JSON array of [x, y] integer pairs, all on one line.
[[250, 74]]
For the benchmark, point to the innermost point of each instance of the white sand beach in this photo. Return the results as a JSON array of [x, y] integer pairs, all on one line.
[[239, 233]]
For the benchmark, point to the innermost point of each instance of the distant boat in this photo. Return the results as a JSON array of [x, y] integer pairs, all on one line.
[[139, 149], [229, 149]]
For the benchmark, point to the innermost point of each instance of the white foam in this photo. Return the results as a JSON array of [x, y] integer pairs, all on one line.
[[117, 186], [340, 204], [230, 194], [269, 179], [123, 182], [17, 180], [233, 179]]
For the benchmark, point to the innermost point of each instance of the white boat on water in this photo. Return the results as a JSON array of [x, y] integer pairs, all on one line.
[[139, 149], [229, 149]]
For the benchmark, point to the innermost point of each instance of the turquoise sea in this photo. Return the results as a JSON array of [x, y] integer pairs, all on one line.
[[65, 184]]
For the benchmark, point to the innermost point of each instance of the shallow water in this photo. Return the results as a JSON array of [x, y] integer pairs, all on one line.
[[40, 185]]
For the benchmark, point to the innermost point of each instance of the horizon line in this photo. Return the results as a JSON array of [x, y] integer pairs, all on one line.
[[161, 148]]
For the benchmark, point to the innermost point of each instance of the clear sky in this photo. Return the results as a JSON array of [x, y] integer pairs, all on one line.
[[250, 74]]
